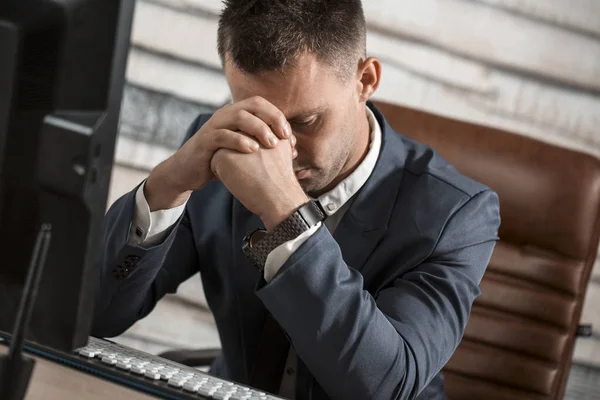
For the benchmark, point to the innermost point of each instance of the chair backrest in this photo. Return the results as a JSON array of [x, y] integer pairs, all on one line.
[[519, 340]]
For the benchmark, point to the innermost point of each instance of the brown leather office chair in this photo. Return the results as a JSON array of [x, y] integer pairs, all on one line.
[[519, 339]]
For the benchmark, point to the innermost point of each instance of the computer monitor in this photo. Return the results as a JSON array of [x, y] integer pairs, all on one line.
[[62, 67]]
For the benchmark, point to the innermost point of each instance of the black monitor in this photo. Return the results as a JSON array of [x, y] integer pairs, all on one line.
[[62, 67]]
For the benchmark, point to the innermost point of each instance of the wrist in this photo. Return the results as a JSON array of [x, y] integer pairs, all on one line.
[[161, 190], [283, 208]]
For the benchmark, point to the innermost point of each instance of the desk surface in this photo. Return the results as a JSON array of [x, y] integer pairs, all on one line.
[[52, 381]]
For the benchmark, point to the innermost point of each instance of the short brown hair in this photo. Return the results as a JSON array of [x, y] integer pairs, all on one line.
[[267, 35]]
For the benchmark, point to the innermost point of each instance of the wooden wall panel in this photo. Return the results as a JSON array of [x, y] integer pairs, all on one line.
[[577, 15], [178, 78], [493, 36], [175, 32]]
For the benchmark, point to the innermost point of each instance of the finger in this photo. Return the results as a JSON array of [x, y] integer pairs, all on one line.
[[268, 113], [253, 126], [227, 139]]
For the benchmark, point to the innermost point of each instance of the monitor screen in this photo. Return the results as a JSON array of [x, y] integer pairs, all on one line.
[[62, 66]]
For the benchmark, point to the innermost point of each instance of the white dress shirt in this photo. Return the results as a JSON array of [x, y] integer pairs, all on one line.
[[151, 228]]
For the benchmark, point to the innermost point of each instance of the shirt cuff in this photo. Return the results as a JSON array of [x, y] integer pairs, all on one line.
[[278, 256], [151, 228]]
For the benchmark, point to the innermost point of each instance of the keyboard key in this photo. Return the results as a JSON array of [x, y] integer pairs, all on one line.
[[206, 391], [138, 370], [88, 353], [154, 367], [174, 375], [123, 365], [240, 396], [199, 378], [192, 386], [176, 382], [166, 375], [152, 375], [183, 375], [109, 361]]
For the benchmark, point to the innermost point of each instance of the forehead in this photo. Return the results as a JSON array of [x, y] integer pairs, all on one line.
[[309, 84]]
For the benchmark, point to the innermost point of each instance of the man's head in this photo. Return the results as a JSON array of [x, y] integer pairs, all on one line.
[[307, 57]]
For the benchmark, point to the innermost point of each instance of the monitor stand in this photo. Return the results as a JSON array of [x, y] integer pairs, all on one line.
[[15, 368]]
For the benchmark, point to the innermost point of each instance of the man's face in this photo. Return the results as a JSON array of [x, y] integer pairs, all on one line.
[[323, 111]]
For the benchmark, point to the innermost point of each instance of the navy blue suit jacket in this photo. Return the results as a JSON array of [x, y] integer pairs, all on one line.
[[373, 312]]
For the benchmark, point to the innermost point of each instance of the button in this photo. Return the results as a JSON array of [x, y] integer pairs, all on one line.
[[290, 371], [331, 207], [132, 259], [121, 271], [139, 232]]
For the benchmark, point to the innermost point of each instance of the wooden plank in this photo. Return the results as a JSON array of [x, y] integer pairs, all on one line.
[[512, 106], [591, 306], [181, 79], [209, 7], [430, 63], [176, 33], [490, 34], [493, 36], [139, 155], [596, 270], [123, 179], [565, 111], [587, 350], [578, 15]]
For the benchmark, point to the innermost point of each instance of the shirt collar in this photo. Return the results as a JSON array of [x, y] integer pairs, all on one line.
[[343, 191]]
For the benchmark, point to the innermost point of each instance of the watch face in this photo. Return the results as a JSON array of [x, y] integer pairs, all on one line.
[[257, 236]]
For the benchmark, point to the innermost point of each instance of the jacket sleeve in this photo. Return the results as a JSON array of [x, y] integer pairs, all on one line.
[[134, 277], [391, 345]]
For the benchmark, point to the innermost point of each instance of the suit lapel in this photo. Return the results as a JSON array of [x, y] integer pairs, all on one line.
[[367, 219]]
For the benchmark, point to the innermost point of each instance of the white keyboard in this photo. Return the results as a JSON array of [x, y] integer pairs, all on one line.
[[176, 376]]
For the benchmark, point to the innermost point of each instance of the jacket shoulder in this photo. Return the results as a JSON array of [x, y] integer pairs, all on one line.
[[427, 165]]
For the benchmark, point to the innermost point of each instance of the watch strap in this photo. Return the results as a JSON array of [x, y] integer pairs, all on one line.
[[299, 222]]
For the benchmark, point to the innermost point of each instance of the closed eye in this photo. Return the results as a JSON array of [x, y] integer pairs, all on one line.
[[303, 123]]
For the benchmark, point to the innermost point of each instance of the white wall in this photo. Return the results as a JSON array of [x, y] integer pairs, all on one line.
[[528, 66]]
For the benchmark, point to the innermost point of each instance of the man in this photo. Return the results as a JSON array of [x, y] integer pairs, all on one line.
[[374, 246]]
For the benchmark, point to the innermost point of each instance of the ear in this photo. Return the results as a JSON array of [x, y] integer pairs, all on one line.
[[369, 76]]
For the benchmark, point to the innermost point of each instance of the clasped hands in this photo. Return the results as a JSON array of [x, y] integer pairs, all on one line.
[[249, 147]]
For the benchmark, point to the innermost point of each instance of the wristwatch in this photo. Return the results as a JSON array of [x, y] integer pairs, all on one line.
[[259, 243]]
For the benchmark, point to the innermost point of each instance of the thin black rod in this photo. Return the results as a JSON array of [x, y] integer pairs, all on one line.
[[36, 267]]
